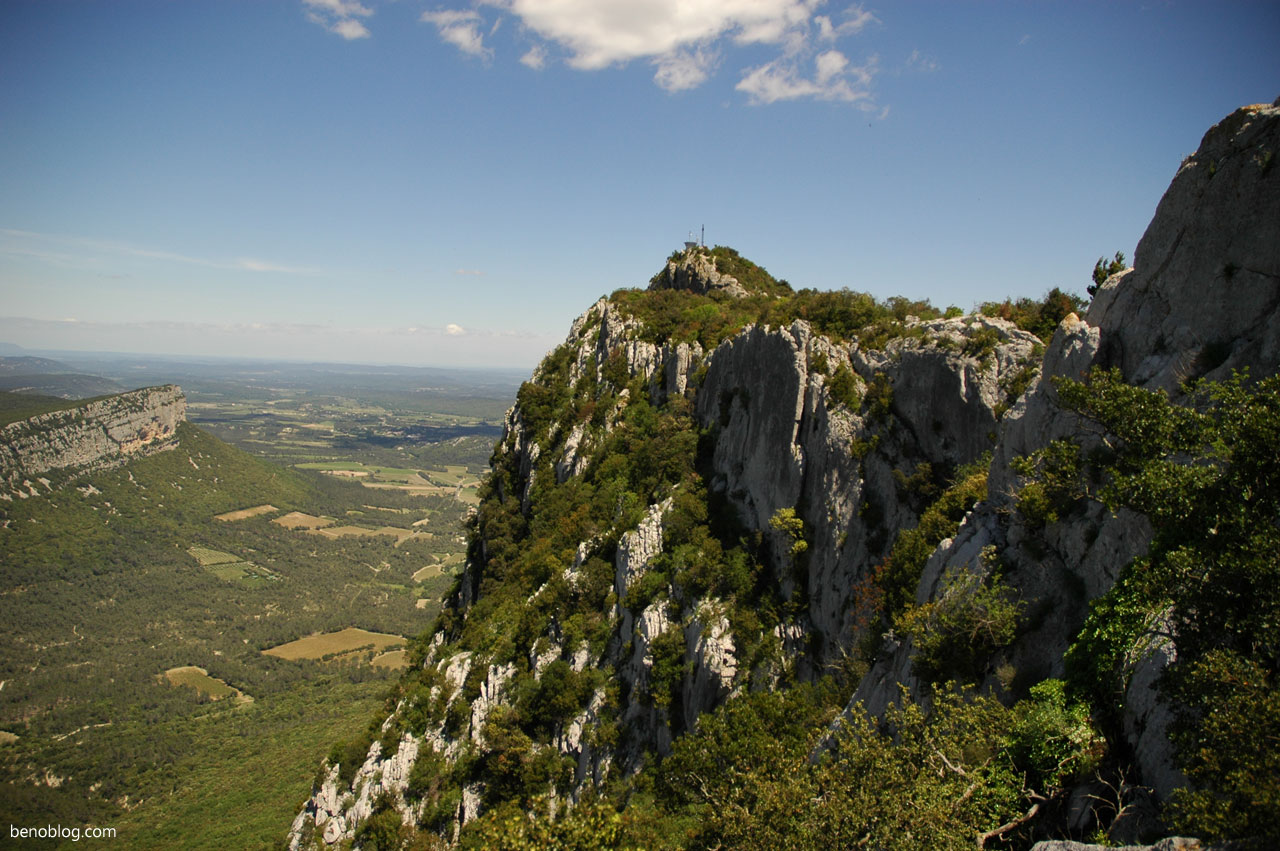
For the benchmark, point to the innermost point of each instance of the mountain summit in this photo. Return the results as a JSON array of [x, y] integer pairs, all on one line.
[[759, 567]]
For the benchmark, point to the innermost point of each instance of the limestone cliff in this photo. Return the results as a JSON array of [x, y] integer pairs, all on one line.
[[683, 508], [777, 438], [1202, 299], [96, 434]]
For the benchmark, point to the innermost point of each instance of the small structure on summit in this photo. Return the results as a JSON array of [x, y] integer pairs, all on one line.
[[691, 243]]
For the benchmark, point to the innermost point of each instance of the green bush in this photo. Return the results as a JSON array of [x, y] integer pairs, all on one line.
[[1055, 483], [843, 388], [898, 576], [879, 398], [956, 634], [1104, 269], [1054, 740], [1039, 317], [1207, 476]]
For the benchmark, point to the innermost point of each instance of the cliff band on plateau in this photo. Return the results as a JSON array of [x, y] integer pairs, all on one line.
[[93, 435]]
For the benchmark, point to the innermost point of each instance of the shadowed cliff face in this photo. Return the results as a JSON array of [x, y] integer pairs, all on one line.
[[1202, 300], [805, 455], [93, 435]]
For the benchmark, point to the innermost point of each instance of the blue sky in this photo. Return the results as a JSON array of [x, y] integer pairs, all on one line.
[[450, 183]]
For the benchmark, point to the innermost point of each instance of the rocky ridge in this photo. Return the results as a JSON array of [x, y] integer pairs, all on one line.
[[830, 435], [1214, 232], [781, 440], [97, 434]]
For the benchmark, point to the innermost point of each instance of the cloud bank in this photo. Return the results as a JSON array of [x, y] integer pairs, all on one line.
[[685, 41]]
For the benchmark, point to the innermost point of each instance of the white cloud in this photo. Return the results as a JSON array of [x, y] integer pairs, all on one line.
[[683, 39], [339, 16], [600, 33], [459, 28], [830, 65], [683, 69], [536, 58], [833, 79], [454, 330], [855, 20]]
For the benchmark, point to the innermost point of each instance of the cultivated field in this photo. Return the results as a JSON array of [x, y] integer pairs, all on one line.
[[298, 520], [331, 645], [208, 557], [401, 535], [245, 513], [392, 659], [230, 567], [198, 678]]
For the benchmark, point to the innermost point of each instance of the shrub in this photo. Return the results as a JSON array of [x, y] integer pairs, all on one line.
[[1208, 479], [956, 634], [879, 397], [843, 387], [1039, 317], [1056, 485], [900, 573], [1054, 740], [1104, 269]]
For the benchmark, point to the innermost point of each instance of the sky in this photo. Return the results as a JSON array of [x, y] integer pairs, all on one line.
[[450, 183]]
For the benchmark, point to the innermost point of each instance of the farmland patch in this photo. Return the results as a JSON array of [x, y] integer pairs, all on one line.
[[208, 557], [245, 513], [198, 678], [392, 659], [431, 571], [401, 535], [332, 645], [298, 520]]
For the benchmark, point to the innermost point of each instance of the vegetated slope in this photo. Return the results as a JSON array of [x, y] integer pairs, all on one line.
[[727, 520], [102, 595]]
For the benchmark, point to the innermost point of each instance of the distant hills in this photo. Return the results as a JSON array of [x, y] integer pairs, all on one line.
[[47, 377]]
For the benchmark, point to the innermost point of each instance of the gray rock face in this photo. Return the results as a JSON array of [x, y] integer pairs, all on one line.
[[637, 549], [1173, 843], [1202, 299], [696, 271], [1205, 287], [91, 436], [782, 441]]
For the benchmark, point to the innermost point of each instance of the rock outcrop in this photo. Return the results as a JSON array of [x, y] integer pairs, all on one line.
[[1202, 299], [695, 270], [94, 435]]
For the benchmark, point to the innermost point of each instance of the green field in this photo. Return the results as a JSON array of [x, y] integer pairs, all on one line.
[[246, 769], [208, 557], [431, 571], [243, 571]]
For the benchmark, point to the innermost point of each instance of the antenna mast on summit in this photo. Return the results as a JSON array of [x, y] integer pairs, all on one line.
[[703, 240]]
